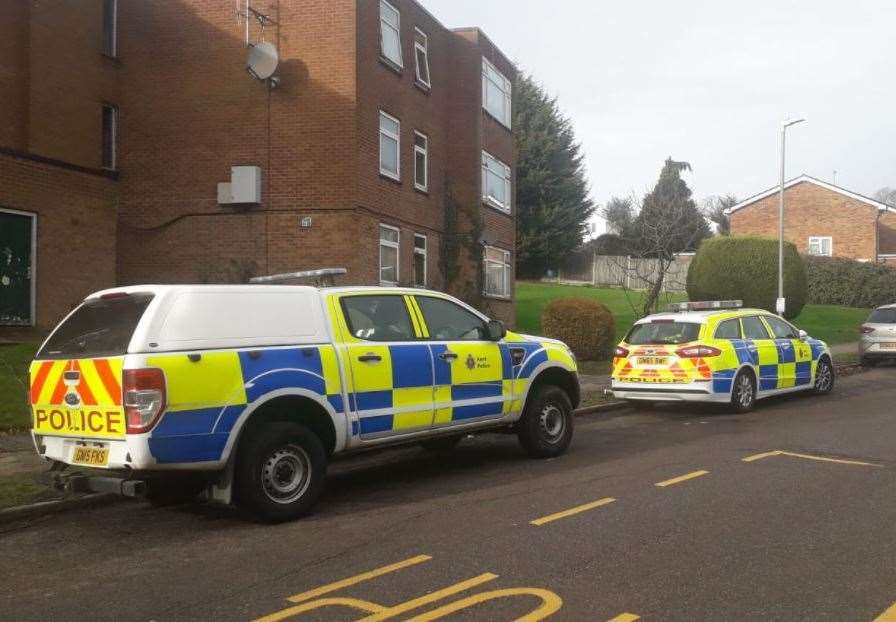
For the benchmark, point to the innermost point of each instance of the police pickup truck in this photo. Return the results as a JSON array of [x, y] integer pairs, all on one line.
[[246, 391]]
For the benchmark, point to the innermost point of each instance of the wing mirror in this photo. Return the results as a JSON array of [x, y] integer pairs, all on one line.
[[496, 330], [803, 335]]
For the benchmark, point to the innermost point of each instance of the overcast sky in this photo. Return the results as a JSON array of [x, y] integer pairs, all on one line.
[[709, 82]]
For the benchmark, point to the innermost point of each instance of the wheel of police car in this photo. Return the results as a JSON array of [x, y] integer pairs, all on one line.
[[743, 392], [545, 429], [824, 376], [280, 471]]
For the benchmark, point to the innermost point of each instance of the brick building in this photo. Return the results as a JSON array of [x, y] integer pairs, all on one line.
[[383, 143], [821, 219]]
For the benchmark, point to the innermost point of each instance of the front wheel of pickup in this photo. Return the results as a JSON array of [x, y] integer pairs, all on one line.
[[280, 471], [545, 429]]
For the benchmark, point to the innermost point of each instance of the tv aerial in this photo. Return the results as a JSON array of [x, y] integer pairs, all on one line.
[[263, 57]]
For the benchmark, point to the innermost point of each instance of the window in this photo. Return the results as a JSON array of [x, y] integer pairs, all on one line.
[[421, 161], [389, 237], [497, 272], [390, 33], [110, 137], [378, 318], [495, 182], [448, 321], [781, 329], [110, 28], [421, 55], [390, 142], [663, 332], [820, 246], [496, 90], [18, 255], [729, 329], [419, 260], [884, 315], [753, 328]]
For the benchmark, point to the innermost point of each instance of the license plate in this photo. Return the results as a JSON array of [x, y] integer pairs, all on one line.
[[888, 346], [652, 360], [92, 456]]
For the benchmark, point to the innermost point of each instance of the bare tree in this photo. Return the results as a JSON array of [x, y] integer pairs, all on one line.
[[886, 195], [715, 208]]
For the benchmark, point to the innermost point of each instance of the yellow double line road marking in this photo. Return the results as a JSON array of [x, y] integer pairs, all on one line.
[[778, 452], [681, 478], [626, 617], [572, 511], [887, 616]]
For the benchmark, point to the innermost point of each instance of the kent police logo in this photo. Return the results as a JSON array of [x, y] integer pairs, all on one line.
[[471, 362]]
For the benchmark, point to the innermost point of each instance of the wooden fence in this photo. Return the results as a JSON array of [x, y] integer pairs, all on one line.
[[620, 271]]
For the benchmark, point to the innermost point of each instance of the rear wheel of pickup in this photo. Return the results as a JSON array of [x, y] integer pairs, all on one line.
[[545, 429], [280, 471]]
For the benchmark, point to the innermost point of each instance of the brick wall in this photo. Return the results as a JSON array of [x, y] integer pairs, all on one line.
[[75, 231], [887, 233], [812, 210]]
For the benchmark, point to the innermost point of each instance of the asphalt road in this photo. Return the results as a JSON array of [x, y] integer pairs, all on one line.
[[783, 536]]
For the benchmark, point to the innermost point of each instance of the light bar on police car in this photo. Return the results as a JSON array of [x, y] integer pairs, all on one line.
[[706, 305]]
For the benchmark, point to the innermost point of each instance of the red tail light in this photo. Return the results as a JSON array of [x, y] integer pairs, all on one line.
[[691, 352], [620, 352], [144, 398], [867, 330]]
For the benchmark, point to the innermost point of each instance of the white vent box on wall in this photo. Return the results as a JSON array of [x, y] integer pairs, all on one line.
[[244, 186]]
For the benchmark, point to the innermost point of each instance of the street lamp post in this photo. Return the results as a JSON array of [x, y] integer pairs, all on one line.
[[781, 304]]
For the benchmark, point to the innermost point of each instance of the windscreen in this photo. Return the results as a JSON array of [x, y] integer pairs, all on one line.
[[883, 316], [99, 327], [662, 332]]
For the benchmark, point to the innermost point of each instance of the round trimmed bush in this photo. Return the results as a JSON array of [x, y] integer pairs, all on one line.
[[585, 325], [746, 268]]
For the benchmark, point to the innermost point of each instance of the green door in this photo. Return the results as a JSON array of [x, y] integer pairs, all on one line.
[[16, 234]]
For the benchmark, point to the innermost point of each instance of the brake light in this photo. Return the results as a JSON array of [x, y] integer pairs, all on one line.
[[867, 330], [697, 351], [620, 352], [144, 398]]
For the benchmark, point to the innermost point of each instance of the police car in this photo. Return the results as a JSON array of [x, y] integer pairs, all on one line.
[[246, 391], [717, 351]]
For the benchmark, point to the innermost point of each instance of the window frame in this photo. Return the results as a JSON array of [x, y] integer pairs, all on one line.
[[507, 268], [110, 163], [422, 47], [820, 240], [397, 138], [110, 39], [425, 151], [506, 88], [508, 184], [389, 244], [424, 251], [351, 330], [768, 319], [399, 64]]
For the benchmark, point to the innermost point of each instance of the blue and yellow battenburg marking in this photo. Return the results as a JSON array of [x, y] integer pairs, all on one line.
[[411, 387]]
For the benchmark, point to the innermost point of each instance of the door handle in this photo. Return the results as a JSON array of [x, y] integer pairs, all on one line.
[[370, 358], [448, 355]]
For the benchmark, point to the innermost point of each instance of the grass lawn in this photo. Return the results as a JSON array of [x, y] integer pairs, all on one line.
[[14, 360], [827, 322], [21, 489]]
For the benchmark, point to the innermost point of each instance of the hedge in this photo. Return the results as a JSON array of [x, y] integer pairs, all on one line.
[[746, 268], [586, 326], [837, 281]]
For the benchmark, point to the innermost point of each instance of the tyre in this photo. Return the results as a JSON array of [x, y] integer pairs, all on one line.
[[824, 376], [440, 444], [167, 491], [743, 392], [545, 429], [280, 472]]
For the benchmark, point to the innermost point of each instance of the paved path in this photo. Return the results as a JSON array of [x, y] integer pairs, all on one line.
[[672, 514]]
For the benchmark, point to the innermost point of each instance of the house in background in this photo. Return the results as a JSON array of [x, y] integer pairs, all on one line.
[[821, 219]]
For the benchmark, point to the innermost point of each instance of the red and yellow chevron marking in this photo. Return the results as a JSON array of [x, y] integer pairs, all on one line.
[[99, 383], [677, 371]]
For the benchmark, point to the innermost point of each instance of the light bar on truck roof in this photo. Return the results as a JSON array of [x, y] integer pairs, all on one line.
[[323, 277], [706, 305]]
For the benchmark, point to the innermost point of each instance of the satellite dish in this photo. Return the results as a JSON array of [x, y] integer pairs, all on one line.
[[262, 60]]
